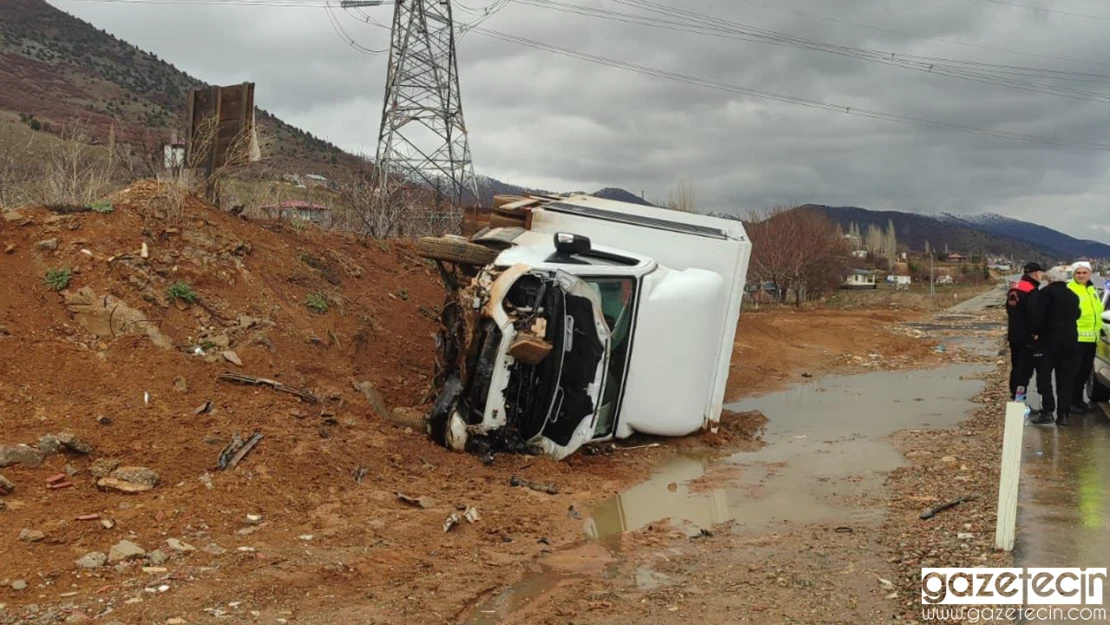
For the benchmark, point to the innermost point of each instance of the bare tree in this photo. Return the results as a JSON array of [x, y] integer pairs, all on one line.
[[682, 196], [797, 249], [14, 166], [77, 173]]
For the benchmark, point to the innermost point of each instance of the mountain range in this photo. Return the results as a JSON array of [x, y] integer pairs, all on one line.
[[974, 234]]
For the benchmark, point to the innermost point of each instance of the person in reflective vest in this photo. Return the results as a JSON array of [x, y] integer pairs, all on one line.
[[1089, 325]]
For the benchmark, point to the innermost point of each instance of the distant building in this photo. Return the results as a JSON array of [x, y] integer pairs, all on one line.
[[860, 279], [859, 254], [956, 258]]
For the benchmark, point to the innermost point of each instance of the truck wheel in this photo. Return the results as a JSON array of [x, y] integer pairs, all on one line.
[[454, 250], [1096, 390]]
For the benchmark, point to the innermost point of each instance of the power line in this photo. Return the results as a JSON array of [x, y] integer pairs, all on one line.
[[1044, 10], [767, 95], [893, 31], [992, 74]]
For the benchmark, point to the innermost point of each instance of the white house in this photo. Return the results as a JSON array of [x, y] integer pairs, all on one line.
[[860, 279]]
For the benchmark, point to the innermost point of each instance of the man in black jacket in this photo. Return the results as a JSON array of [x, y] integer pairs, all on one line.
[[1020, 330], [1055, 312]]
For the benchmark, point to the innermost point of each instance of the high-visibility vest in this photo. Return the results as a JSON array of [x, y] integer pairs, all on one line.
[[1090, 311]]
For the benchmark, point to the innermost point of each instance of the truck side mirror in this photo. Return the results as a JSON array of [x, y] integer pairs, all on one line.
[[567, 243]]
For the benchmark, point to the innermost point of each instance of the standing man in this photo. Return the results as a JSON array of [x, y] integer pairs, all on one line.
[[1089, 326], [1055, 311], [1020, 330]]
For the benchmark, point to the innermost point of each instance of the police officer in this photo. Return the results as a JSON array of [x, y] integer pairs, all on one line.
[[1019, 330], [1055, 311], [1089, 325]]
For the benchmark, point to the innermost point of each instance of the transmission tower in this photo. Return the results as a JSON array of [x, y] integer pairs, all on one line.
[[423, 138]]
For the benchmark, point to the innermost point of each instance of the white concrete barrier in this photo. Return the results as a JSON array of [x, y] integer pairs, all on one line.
[[1008, 479]]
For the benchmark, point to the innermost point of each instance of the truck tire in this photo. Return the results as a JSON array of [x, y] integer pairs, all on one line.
[[454, 250], [1096, 390]]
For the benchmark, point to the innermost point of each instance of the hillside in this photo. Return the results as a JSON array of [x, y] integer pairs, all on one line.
[[914, 230], [1033, 233], [59, 68]]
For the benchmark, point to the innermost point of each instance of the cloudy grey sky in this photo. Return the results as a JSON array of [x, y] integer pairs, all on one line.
[[548, 121]]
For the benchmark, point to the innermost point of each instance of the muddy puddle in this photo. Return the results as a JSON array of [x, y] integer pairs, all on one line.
[[825, 446], [1064, 497]]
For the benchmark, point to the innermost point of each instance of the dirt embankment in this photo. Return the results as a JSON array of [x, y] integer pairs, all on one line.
[[125, 355], [308, 527]]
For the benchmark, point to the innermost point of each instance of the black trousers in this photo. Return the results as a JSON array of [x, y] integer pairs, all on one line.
[[1061, 359], [1022, 365], [1086, 363]]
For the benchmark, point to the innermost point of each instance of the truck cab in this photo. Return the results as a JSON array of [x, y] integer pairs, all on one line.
[[590, 321]]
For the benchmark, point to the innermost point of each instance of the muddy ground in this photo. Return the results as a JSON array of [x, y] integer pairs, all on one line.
[[308, 527]]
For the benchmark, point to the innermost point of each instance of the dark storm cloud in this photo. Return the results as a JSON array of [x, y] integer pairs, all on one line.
[[559, 123]]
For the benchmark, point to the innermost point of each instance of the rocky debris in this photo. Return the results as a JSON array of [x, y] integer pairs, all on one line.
[[46, 245], [103, 467], [157, 557], [19, 584], [232, 357], [137, 475], [180, 385], [129, 480], [74, 444], [6, 485], [20, 454], [214, 549], [179, 546], [49, 444], [108, 317], [125, 550], [12, 215], [92, 560], [31, 536]]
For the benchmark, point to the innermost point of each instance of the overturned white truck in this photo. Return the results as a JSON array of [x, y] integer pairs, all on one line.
[[578, 319]]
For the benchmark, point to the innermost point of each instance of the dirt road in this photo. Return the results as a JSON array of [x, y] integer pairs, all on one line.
[[114, 369]]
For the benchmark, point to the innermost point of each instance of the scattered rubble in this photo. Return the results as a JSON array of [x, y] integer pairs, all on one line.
[[124, 551], [6, 486], [543, 488], [92, 560]]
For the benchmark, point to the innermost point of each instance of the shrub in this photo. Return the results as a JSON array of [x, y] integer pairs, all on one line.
[[103, 207], [182, 291], [316, 303], [57, 279]]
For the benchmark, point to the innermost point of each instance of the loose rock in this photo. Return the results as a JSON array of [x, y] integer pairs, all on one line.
[[137, 475], [6, 485], [233, 358], [19, 585], [125, 550], [180, 385], [120, 486], [103, 467], [92, 560], [20, 454], [31, 536], [74, 444], [157, 557], [179, 546], [50, 444], [46, 244]]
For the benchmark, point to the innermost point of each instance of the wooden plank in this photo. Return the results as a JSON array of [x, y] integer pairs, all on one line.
[[1008, 479]]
